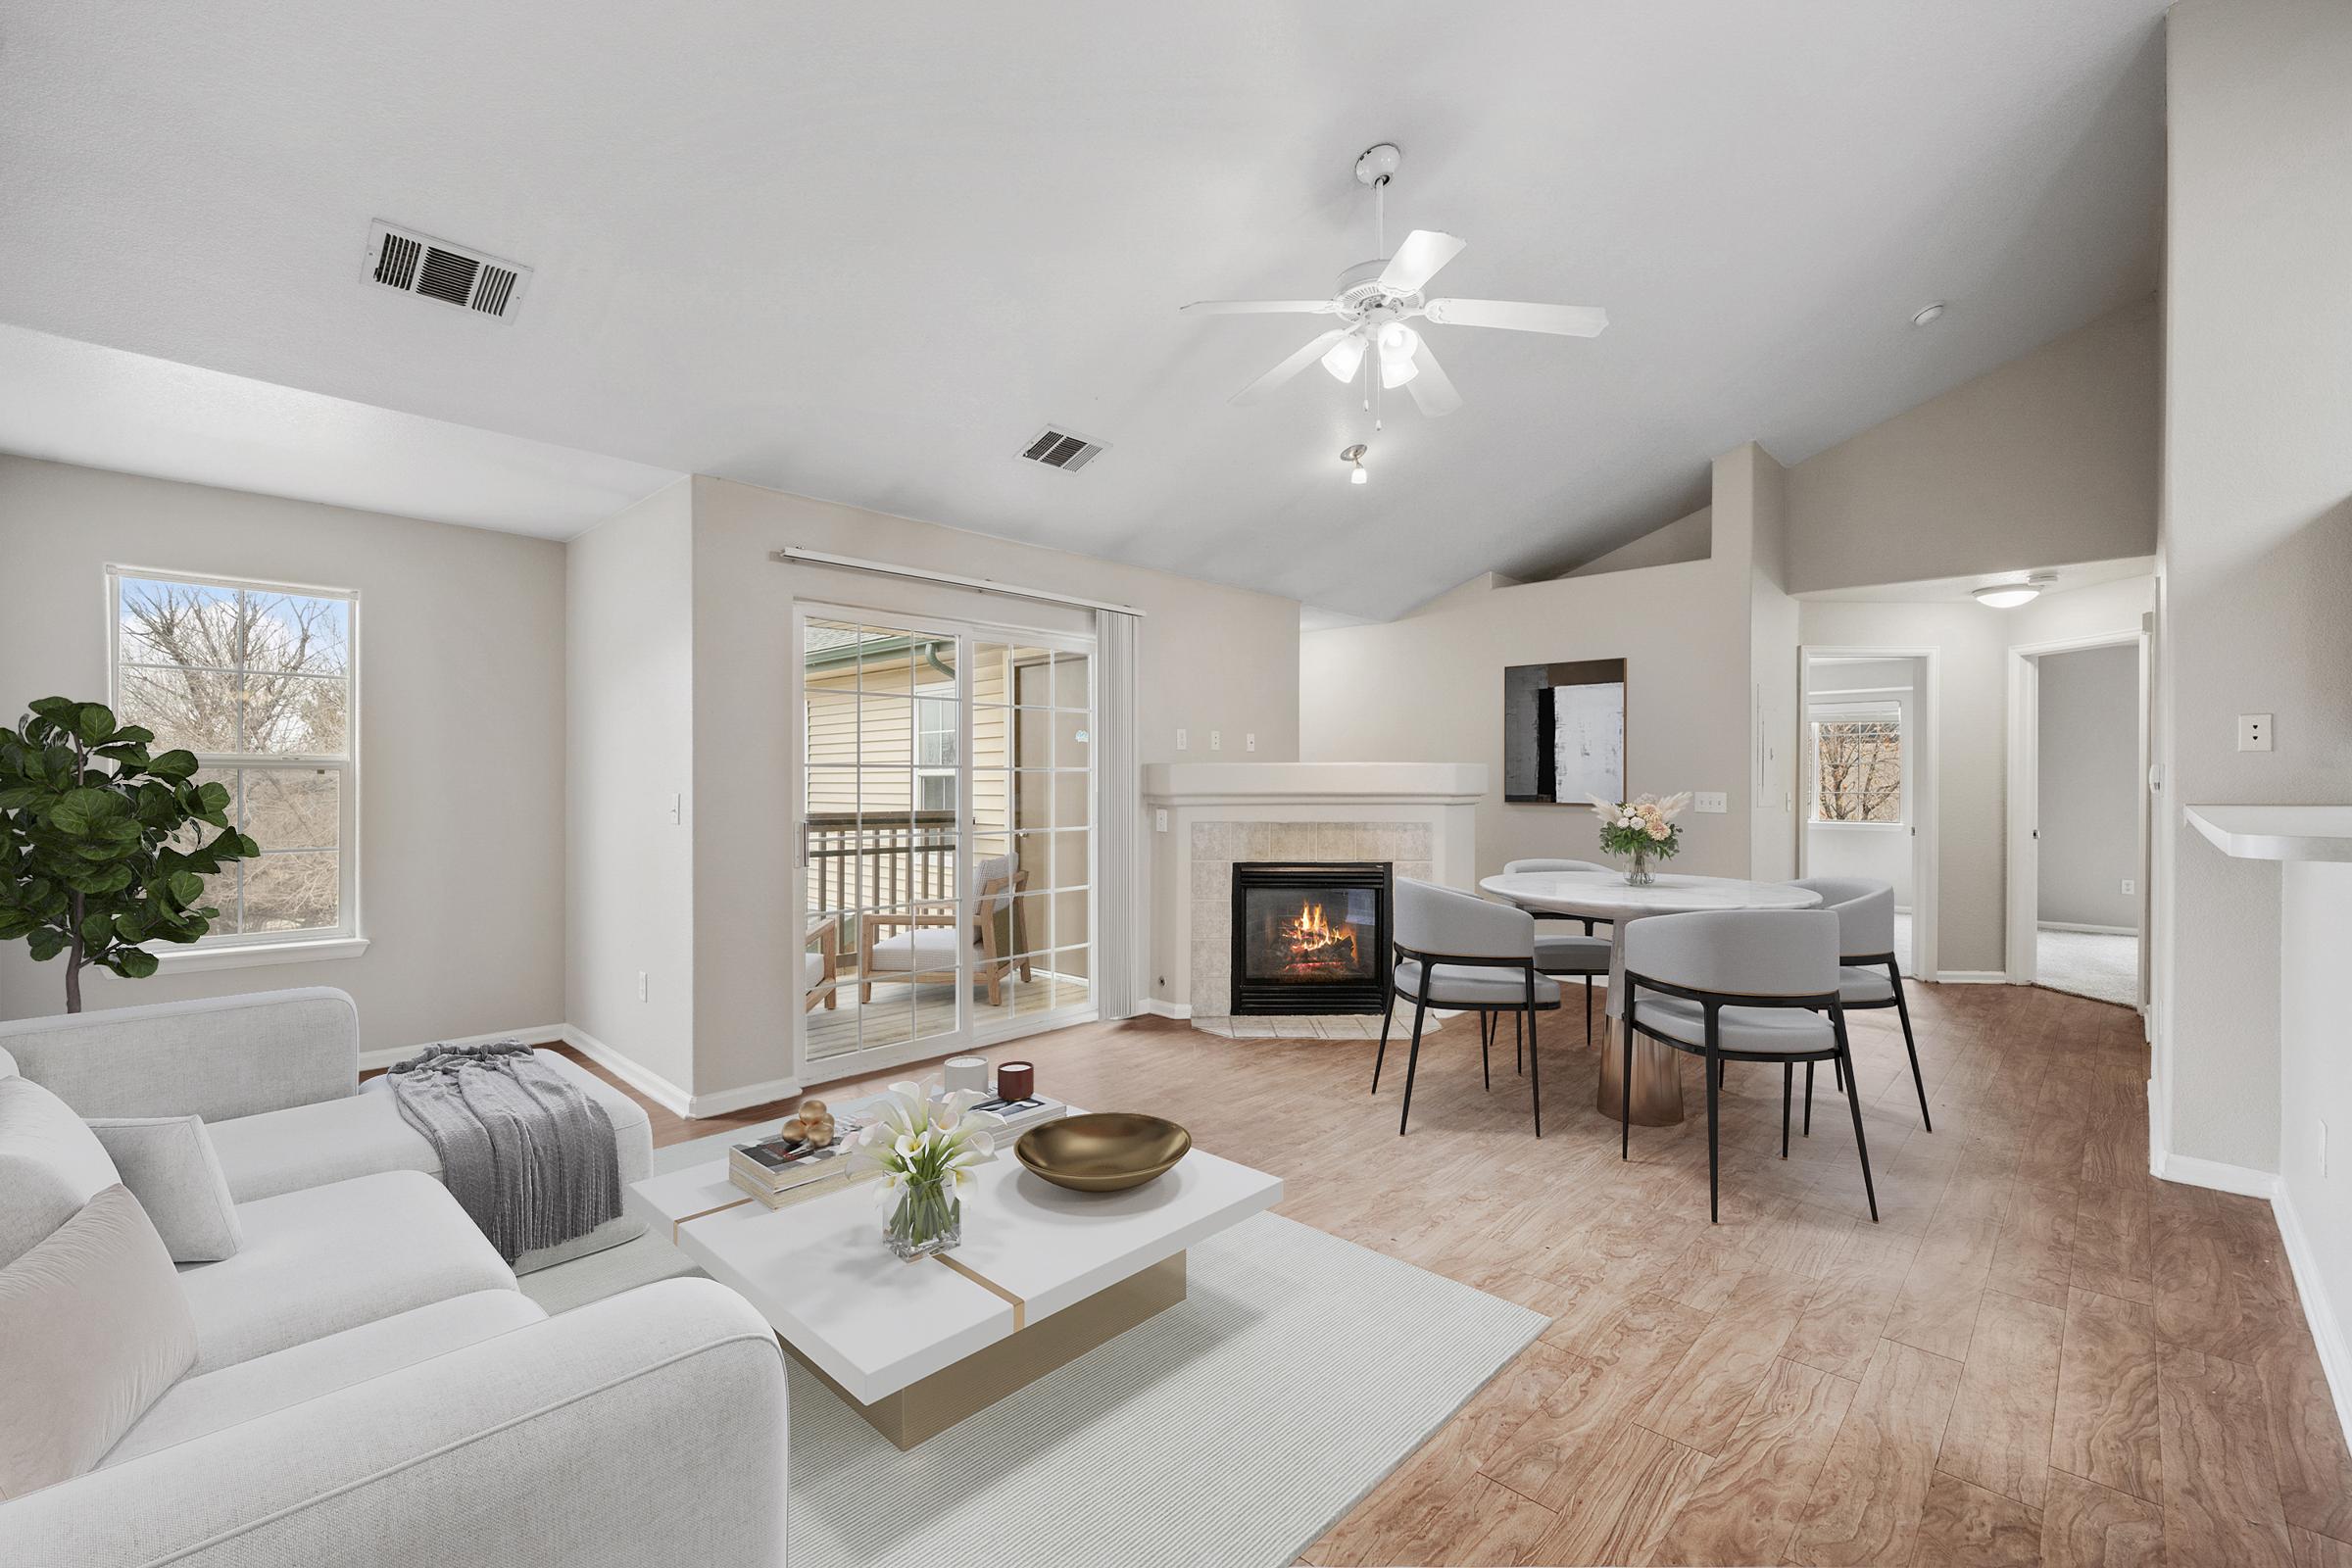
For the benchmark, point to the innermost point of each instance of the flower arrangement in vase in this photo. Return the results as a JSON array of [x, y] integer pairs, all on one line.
[[926, 1144], [1643, 830]]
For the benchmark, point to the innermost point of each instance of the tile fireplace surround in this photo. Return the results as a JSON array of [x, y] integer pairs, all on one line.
[[1421, 817]]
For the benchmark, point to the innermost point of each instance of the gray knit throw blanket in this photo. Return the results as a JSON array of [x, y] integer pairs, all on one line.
[[526, 1153]]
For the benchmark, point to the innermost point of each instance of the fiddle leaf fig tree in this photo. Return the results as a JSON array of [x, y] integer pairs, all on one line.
[[101, 844]]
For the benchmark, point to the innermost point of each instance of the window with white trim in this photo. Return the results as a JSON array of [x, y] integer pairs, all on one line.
[[1858, 762], [260, 680]]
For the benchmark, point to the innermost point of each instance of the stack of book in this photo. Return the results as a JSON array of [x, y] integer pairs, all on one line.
[[1019, 1115], [779, 1171]]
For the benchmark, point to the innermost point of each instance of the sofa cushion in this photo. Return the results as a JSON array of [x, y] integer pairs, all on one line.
[[363, 1133], [213, 1401], [327, 1259], [50, 1165], [93, 1329], [168, 1164], [8, 1065]]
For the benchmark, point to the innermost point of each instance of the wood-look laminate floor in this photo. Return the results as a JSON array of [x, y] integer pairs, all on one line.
[[2041, 1355]]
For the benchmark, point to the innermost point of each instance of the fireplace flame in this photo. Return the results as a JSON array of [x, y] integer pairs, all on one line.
[[1310, 936]]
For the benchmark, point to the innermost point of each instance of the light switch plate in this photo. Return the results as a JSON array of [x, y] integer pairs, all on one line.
[[1159, 820], [2253, 732], [1711, 801]]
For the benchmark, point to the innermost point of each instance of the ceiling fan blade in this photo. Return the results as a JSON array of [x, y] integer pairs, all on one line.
[[1262, 307], [1432, 389], [1418, 259], [1290, 366], [1565, 320]]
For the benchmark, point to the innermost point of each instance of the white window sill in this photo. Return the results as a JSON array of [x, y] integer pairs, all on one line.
[[233, 955], [1868, 827]]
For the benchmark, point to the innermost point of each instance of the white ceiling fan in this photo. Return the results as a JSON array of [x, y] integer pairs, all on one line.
[[1377, 300]]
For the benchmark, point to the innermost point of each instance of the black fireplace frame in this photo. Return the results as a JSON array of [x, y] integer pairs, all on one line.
[[1261, 998]]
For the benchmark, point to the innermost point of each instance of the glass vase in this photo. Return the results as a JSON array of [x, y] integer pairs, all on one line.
[[927, 1218], [1639, 875]]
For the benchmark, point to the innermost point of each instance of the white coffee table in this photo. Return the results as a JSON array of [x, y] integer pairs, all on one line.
[[1042, 1276]]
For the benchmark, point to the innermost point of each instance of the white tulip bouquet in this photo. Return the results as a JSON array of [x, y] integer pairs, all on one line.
[[1643, 829], [926, 1144]]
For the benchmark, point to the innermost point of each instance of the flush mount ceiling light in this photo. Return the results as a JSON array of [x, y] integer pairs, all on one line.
[[1353, 457], [2010, 595], [1926, 314]]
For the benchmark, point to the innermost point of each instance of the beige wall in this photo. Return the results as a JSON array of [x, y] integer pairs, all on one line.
[[1972, 731], [1749, 481], [2090, 786], [630, 692], [1209, 659], [2256, 562], [1683, 539], [2047, 460], [461, 722], [1428, 688]]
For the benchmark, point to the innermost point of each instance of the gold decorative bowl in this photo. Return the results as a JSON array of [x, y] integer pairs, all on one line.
[[1104, 1150]]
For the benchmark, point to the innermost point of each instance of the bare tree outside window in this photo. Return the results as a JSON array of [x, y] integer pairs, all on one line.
[[1858, 770], [257, 682]]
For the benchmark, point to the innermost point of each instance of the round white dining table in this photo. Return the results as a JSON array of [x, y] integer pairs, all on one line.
[[1657, 1087]]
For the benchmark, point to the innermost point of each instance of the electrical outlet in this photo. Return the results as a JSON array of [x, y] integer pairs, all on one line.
[[2253, 732], [1710, 801], [1183, 741], [1159, 820], [644, 987], [1249, 742], [1216, 740], [2130, 886]]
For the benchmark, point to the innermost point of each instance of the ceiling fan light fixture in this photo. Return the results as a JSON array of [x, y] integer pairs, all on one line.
[[1399, 344], [1347, 355], [1353, 457]]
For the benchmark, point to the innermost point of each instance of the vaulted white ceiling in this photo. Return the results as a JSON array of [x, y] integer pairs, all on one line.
[[866, 252]]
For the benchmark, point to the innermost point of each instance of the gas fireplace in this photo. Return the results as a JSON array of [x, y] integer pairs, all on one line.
[[1310, 938]]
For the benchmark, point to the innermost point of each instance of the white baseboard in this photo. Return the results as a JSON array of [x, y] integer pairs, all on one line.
[[2092, 930], [2326, 1326], [643, 1079], [2192, 1171], [750, 1095], [369, 1061], [1971, 977], [1164, 1009]]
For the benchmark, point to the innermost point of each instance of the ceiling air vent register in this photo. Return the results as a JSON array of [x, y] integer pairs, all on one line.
[[436, 270], [1058, 449]]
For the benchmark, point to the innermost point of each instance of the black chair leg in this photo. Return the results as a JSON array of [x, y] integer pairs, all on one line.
[[1413, 1059], [1486, 1070], [1534, 1073], [1714, 1186], [1387, 1015], [1902, 1011], [1808, 1099], [1853, 1102], [1625, 1090], [1518, 1047], [1588, 1010], [1787, 1083], [1838, 1067]]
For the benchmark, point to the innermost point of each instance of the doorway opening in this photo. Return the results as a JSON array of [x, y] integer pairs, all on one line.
[[1866, 750], [2077, 830]]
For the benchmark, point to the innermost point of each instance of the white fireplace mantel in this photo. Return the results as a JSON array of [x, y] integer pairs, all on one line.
[[1419, 817], [1357, 783]]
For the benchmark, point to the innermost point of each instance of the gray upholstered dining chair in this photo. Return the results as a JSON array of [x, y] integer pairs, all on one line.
[[1739, 985], [1865, 912], [1568, 955], [1459, 952]]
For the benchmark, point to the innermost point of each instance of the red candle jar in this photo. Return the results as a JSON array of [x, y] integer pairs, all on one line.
[[1015, 1080]]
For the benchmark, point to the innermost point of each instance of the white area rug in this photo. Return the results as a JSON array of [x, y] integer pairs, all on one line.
[[1234, 1428], [2088, 964]]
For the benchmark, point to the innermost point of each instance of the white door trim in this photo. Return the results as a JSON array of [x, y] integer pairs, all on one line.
[[1919, 779]]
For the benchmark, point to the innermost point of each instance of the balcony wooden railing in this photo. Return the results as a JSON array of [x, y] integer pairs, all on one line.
[[879, 863]]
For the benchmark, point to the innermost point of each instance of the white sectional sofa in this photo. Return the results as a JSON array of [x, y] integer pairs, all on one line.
[[368, 1385]]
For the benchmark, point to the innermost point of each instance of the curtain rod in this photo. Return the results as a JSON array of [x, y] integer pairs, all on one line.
[[986, 585]]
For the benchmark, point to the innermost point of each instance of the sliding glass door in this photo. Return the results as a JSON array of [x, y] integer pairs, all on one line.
[[947, 859]]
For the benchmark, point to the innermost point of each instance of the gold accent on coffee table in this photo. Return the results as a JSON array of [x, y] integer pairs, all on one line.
[[930, 1406], [1104, 1150]]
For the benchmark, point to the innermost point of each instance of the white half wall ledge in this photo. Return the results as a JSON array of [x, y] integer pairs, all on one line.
[[2276, 832]]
